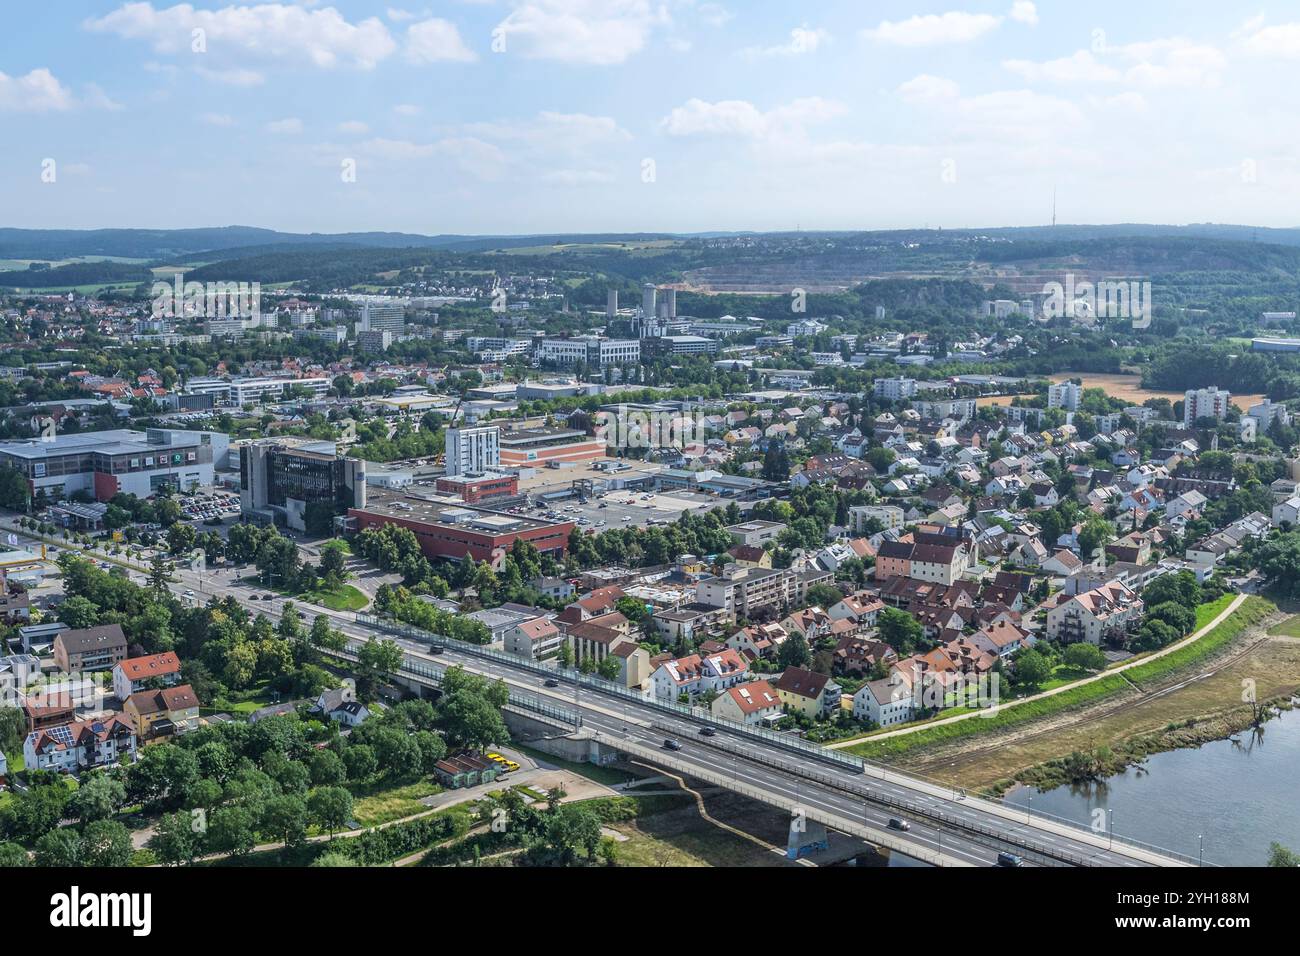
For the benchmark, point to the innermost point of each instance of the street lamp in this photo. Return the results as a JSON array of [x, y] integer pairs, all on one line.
[[1111, 826], [1200, 853]]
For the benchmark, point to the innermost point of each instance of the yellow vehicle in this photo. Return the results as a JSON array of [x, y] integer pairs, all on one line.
[[509, 765]]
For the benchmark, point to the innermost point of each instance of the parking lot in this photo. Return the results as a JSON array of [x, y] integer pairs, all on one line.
[[206, 504], [622, 509]]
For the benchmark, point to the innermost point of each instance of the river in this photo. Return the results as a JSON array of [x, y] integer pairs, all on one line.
[[1240, 796]]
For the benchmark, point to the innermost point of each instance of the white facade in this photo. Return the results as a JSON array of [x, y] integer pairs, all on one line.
[[1205, 403], [1066, 395], [473, 451], [895, 389]]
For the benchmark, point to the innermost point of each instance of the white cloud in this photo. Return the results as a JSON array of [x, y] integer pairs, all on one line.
[[37, 92], [1172, 62], [596, 32], [934, 29], [274, 32], [1024, 11], [743, 119], [577, 177], [925, 87], [97, 99], [1081, 67], [714, 14], [406, 109], [353, 127], [231, 77], [1281, 40], [288, 126], [802, 40], [434, 41]]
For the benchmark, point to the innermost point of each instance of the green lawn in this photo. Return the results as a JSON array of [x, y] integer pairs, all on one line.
[[243, 703], [1208, 612], [345, 597], [384, 803]]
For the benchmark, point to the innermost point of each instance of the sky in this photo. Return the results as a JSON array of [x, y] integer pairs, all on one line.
[[532, 116]]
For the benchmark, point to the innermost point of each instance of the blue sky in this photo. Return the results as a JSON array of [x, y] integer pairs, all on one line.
[[679, 115]]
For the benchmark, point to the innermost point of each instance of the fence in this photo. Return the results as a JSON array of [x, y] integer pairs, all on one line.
[[784, 741]]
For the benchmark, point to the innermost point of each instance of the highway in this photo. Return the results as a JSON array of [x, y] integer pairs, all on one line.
[[946, 825]]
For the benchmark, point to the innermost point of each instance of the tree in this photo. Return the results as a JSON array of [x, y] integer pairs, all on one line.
[[232, 830], [824, 596], [60, 848], [174, 840], [1095, 533], [78, 613], [1280, 856], [330, 807], [377, 661], [285, 816], [160, 570], [1084, 656], [12, 855], [360, 762], [793, 652], [106, 843], [38, 810], [900, 630], [1032, 668], [98, 798]]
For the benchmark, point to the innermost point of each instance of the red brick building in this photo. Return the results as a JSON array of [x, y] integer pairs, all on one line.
[[445, 532], [480, 487]]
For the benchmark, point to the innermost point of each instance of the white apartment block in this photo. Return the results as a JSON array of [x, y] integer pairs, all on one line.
[[895, 389], [1205, 403], [891, 516], [1066, 395], [473, 451]]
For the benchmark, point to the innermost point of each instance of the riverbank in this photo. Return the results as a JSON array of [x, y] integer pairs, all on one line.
[[1194, 699]]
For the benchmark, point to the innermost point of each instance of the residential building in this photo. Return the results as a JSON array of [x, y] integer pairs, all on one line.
[[754, 703], [1205, 403], [1105, 613], [90, 649], [806, 692], [1065, 395], [537, 640], [135, 673], [80, 745], [162, 713], [699, 674]]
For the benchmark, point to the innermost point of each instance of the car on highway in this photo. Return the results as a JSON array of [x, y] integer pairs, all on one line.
[[672, 744], [897, 824], [253, 597], [707, 731], [436, 649], [1010, 859], [552, 682]]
